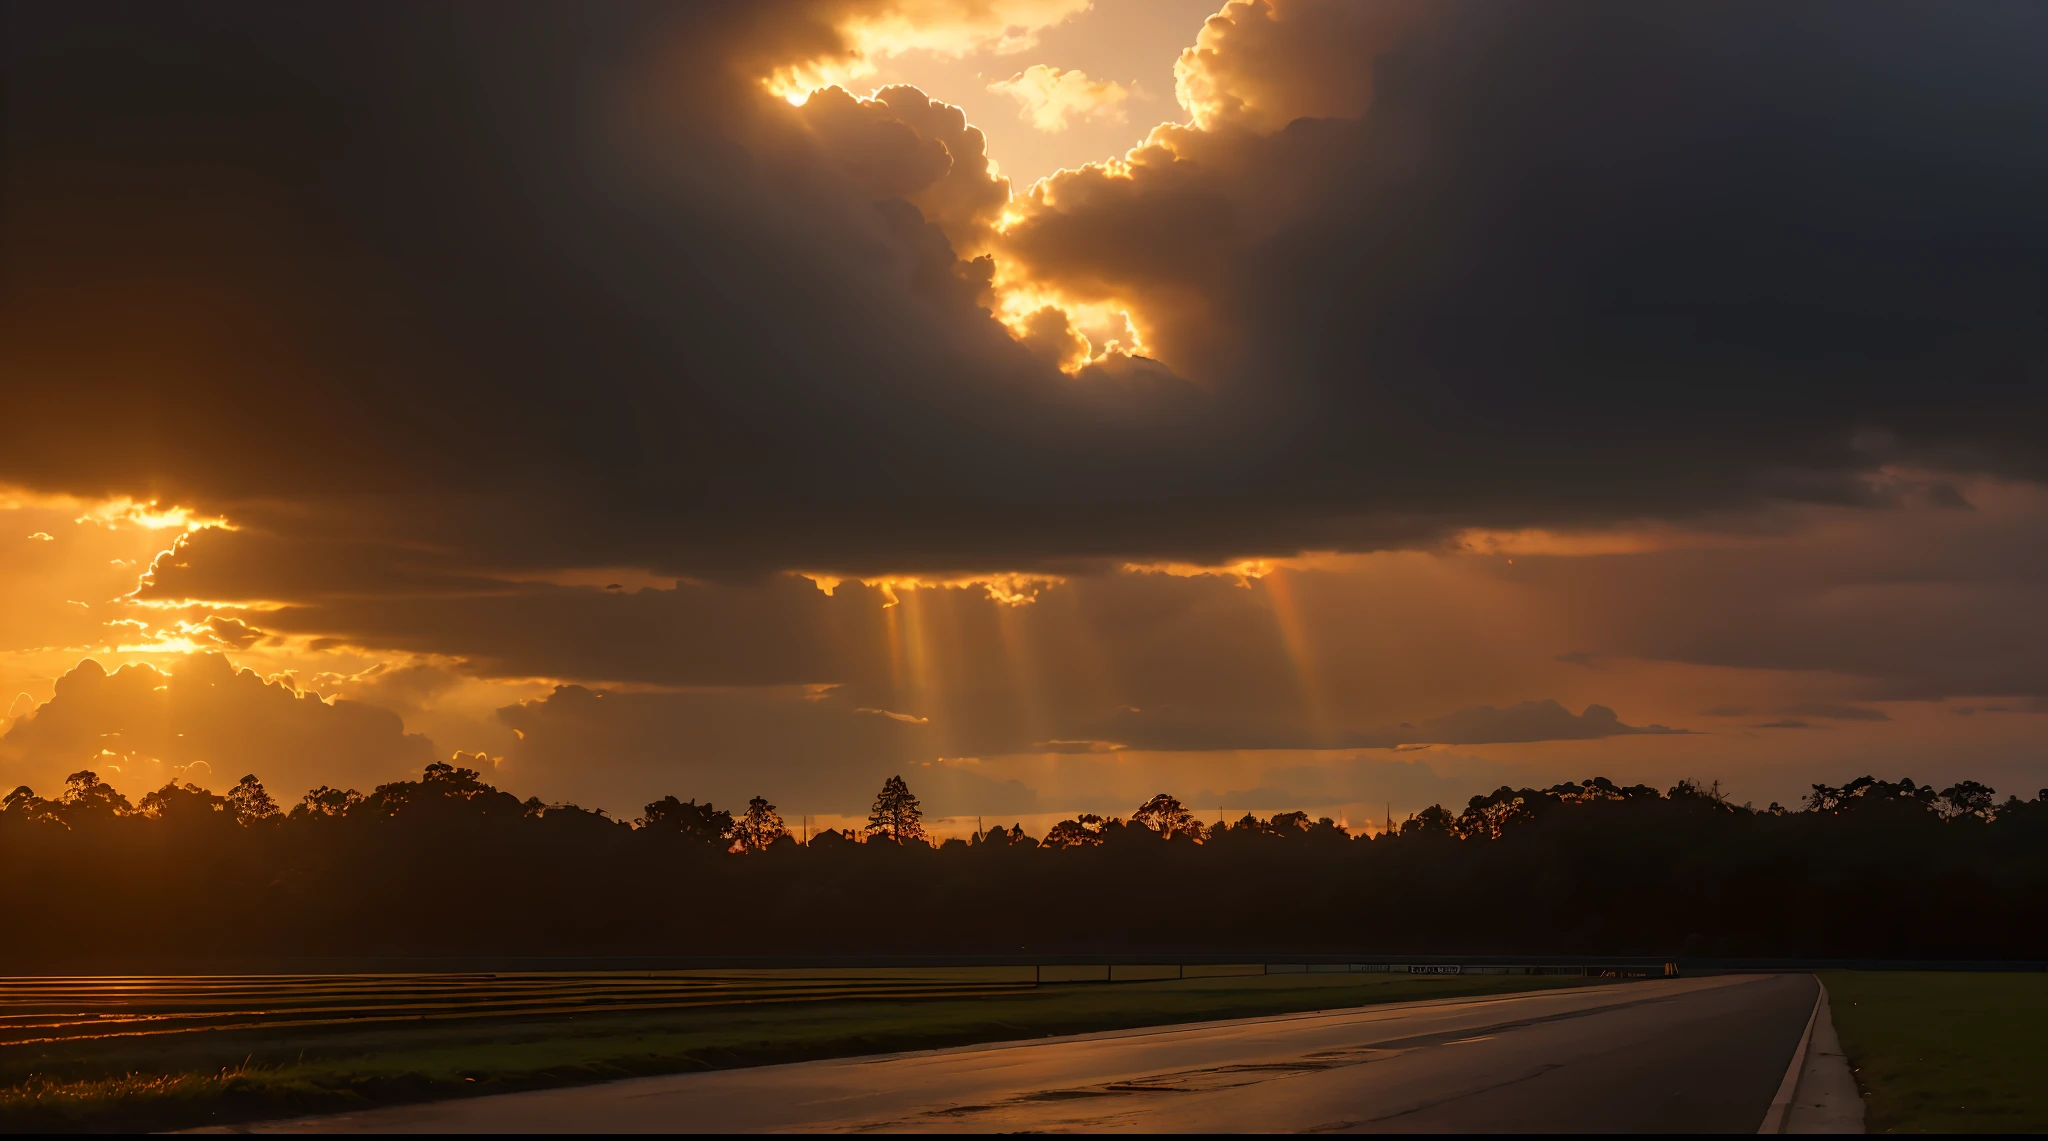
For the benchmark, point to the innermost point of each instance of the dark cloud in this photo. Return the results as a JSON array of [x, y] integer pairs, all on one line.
[[1843, 606], [1400, 786], [2038, 705], [535, 286], [816, 753], [1826, 709], [440, 303], [780, 631], [1525, 721], [1904, 605], [808, 752], [208, 722], [1190, 726], [1835, 712], [1587, 258]]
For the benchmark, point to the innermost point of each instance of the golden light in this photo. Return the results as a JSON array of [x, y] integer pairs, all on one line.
[[1246, 569], [115, 512], [954, 27], [1107, 327], [165, 642], [796, 83], [824, 582], [204, 603], [1294, 638], [1243, 570], [1626, 539], [950, 28], [1010, 588]]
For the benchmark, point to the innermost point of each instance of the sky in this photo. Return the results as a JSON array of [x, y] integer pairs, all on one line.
[[1292, 404]]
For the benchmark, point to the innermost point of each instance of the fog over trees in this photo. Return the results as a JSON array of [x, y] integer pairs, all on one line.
[[448, 865]]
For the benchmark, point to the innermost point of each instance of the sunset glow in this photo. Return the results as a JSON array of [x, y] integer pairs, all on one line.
[[1431, 565], [1252, 437]]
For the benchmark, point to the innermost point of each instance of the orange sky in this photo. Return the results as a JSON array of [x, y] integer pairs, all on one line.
[[1236, 692], [1130, 408]]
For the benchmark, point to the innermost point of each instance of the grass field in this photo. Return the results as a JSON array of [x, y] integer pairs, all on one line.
[[160, 1054], [1946, 1052]]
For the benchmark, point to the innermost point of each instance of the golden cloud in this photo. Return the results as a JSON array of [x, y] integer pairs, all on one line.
[[1263, 63], [1050, 97], [1009, 588], [952, 28]]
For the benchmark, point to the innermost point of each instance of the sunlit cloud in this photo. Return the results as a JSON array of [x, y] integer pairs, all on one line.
[[112, 512], [1263, 64], [1243, 570], [906, 718], [1049, 97], [1162, 253], [1627, 540], [1013, 588], [1074, 333], [150, 515], [949, 28]]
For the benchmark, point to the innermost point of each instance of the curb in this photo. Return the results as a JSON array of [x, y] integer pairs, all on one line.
[[1774, 1118], [1828, 1099]]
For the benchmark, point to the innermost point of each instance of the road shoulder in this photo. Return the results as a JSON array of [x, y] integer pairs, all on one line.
[[1827, 1100]]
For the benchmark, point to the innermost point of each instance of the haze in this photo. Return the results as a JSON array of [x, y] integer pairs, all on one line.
[[1328, 406]]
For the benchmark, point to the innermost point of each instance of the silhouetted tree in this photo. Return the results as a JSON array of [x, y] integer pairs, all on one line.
[[23, 807], [88, 799], [1435, 820], [1170, 818], [1966, 799], [896, 815], [760, 827], [689, 821], [1083, 831], [449, 865], [324, 801], [1001, 837], [180, 803], [248, 803]]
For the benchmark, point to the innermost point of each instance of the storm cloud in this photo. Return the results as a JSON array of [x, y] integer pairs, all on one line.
[[553, 287], [578, 383]]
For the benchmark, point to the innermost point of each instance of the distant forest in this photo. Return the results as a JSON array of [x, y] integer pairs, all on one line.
[[447, 865]]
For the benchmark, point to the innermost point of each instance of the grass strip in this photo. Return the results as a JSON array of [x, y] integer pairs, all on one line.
[[236, 1076], [1945, 1051]]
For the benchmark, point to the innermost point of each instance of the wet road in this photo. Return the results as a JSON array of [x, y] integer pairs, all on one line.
[[1667, 1055]]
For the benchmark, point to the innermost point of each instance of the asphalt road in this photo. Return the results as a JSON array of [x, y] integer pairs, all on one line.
[[1678, 1055]]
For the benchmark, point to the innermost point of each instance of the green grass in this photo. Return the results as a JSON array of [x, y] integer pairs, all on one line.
[[1946, 1052], [220, 1077]]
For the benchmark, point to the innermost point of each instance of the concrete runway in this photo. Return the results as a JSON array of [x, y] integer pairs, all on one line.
[[1677, 1055]]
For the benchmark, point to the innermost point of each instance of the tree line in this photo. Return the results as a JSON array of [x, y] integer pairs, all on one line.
[[449, 865]]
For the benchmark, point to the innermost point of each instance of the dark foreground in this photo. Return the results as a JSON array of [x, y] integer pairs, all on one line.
[[1666, 1055], [217, 1050], [1946, 1052], [1873, 870]]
